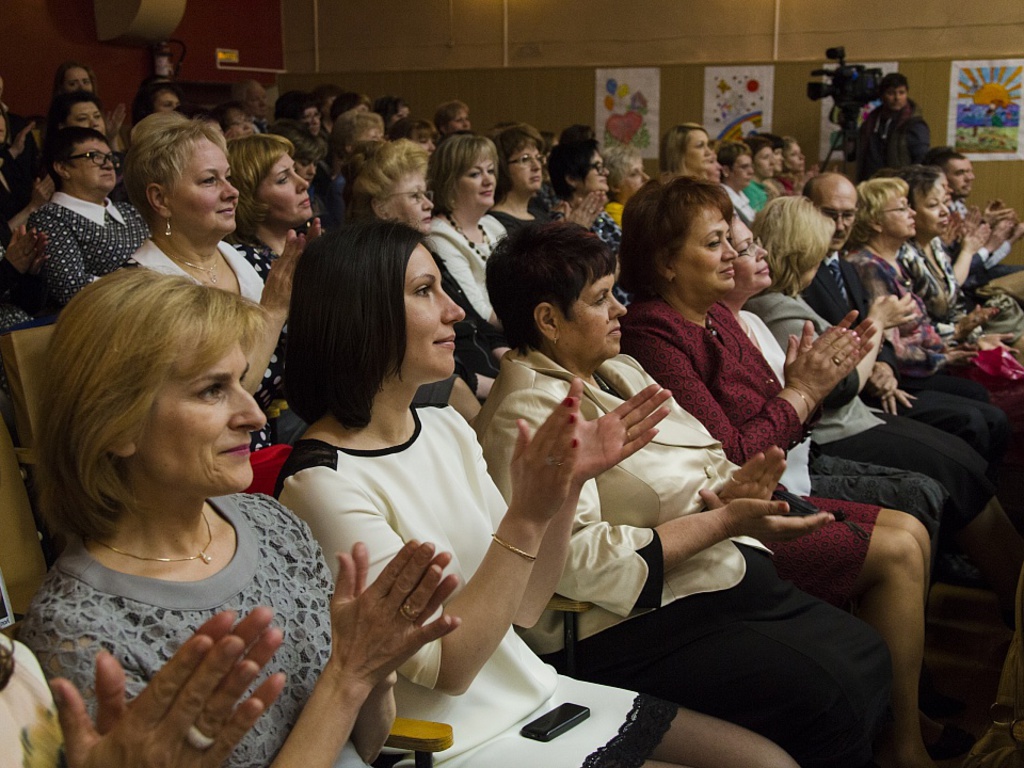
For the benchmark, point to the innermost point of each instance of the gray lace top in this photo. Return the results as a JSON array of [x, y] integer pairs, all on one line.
[[83, 607]]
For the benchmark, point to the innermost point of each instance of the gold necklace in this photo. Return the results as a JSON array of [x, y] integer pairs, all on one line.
[[210, 272], [201, 556]]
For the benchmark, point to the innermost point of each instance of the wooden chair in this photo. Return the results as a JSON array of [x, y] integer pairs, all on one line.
[[21, 553], [571, 610], [24, 356]]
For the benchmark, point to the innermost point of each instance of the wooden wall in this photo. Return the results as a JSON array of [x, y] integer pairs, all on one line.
[[429, 51]]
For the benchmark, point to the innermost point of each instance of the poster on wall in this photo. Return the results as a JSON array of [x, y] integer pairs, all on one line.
[[984, 109], [626, 105], [738, 101], [830, 130]]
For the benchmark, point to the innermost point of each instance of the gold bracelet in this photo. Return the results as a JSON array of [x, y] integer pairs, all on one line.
[[511, 548], [803, 397]]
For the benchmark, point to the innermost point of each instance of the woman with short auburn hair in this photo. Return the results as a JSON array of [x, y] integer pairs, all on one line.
[[462, 173]]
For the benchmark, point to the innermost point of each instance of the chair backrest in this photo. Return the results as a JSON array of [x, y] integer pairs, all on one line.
[[21, 554], [266, 466], [24, 354]]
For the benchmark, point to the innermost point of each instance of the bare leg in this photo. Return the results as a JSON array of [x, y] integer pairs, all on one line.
[[892, 518], [890, 586], [994, 545], [702, 741]]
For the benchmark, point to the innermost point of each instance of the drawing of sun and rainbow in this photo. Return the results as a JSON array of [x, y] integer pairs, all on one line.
[[988, 102]]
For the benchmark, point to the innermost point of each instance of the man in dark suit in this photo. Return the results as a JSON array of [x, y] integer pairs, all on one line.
[[936, 399]]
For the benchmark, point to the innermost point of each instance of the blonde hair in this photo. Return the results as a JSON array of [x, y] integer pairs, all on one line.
[[872, 197], [349, 126], [796, 235], [389, 164], [252, 158], [450, 161], [162, 145], [673, 146], [118, 341]]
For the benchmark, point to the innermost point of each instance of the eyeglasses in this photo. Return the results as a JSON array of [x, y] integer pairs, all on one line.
[[418, 196], [902, 209], [846, 217], [526, 160], [599, 167], [98, 158], [754, 248]]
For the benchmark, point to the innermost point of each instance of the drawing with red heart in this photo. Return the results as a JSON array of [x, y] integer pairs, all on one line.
[[624, 127]]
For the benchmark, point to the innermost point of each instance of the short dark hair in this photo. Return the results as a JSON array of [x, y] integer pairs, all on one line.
[[655, 224], [61, 145], [941, 156], [893, 80], [387, 107], [731, 151], [60, 108], [576, 132], [757, 143], [920, 180], [142, 104], [347, 100], [551, 262], [509, 140], [570, 160], [291, 105], [346, 327]]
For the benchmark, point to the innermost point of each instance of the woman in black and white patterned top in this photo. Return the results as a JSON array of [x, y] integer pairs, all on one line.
[[88, 235]]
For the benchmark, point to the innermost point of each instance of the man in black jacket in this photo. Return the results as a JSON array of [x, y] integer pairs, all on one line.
[[894, 134], [937, 400]]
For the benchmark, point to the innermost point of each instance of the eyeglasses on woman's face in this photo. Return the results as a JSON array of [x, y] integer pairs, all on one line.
[[98, 158], [528, 159], [417, 196]]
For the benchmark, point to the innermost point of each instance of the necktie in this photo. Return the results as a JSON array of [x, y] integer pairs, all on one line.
[[837, 274]]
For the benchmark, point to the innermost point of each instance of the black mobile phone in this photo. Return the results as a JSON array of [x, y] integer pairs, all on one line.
[[556, 722], [797, 507]]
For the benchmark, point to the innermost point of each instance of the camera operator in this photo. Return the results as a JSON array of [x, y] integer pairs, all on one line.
[[894, 134]]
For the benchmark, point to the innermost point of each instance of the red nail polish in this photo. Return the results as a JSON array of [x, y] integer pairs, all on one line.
[[567, 402], [572, 418], [575, 443]]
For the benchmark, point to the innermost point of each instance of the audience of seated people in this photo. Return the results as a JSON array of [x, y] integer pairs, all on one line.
[[441, 247]]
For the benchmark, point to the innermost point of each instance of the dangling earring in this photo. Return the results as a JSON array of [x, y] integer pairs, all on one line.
[[167, 229]]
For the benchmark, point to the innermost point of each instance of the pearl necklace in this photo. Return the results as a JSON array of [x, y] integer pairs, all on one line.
[[483, 234], [201, 556], [210, 272]]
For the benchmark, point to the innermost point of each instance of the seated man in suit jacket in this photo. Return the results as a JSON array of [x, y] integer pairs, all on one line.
[[958, 406]]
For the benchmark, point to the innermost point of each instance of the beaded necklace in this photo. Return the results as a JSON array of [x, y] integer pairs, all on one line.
[[483, 234]]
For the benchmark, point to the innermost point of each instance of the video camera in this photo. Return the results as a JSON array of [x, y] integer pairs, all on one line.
[[851, 86]]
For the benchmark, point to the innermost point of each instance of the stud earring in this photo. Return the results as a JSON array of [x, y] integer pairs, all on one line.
[[167, 229]]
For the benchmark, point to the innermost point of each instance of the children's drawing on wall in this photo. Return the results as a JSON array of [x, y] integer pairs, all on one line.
[[738, 101], [984, 109], [829, 129], [626, 108]]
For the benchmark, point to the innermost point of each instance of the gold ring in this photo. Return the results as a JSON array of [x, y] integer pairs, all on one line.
[[836, 360], [408, 613]]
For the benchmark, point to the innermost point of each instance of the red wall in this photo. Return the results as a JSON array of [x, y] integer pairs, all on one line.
[[37, 35]]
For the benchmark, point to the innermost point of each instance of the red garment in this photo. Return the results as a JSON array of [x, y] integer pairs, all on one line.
[[720, 376]]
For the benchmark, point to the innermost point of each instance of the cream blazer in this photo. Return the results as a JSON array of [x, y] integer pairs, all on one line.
[[619, 509]]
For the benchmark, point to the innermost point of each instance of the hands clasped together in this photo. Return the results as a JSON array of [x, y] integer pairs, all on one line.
[[815, 366]]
